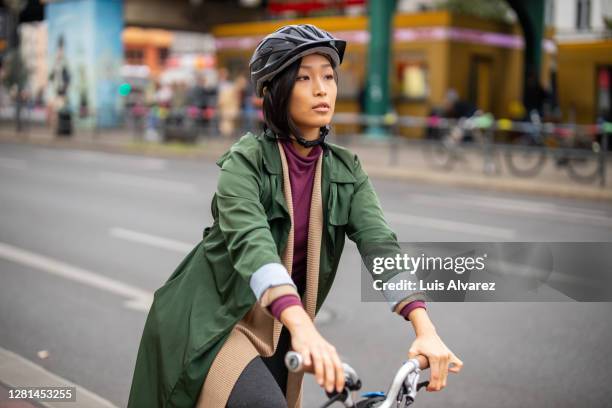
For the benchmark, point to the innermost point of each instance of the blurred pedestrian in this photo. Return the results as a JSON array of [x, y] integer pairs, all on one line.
[[457, 108], [228, 102], [59, 81]]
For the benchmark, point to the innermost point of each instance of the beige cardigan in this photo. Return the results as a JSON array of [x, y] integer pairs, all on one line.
[[258, 332]]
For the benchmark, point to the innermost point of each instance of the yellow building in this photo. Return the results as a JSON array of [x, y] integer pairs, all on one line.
[[585, 76], [432, 53]]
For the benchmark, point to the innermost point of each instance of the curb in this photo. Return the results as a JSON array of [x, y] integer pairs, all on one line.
[[213, 151], [16, 371], [511, 186], [133, 148]]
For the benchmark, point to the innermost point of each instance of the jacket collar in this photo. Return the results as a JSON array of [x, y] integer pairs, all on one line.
[[271, 155]]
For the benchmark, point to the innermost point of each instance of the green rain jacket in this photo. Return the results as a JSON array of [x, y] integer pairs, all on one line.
[[194, 311]]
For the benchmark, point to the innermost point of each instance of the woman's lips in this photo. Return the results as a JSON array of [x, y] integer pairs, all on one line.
[[321, 108]]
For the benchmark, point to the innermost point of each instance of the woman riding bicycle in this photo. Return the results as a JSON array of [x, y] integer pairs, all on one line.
[[218, 330]]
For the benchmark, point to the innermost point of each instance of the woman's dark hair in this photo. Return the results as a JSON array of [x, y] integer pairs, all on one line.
[[277, 94]]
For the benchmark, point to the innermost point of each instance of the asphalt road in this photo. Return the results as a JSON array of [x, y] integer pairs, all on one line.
[[86, 236]]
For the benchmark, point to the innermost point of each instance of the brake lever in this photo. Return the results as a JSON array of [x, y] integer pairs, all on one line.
[[422, 384], [352, 382], [411, 384]]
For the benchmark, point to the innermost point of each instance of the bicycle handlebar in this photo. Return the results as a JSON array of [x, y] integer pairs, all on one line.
[[407, 376], [295, 363]]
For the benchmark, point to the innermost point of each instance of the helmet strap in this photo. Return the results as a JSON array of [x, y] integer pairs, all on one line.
[[312, 143]]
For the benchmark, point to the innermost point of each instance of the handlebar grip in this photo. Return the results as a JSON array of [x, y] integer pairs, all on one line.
[[295, 362], [423, 362]]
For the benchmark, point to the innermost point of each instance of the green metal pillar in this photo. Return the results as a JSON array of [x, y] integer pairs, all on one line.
[[535, 10], [379, 55], [530, 14]]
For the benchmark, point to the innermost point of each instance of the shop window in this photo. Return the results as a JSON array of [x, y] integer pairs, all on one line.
[[480, 84], [163, 54], [583, 14], [412, 80], [549, 12], [134, 56], [604, 92]]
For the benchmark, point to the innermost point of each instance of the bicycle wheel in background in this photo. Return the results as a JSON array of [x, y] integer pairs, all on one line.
[[441, 154], [525, 158], [585, 169]]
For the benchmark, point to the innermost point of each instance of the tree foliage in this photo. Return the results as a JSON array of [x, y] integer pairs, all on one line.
[[15, 72], [498, 10]]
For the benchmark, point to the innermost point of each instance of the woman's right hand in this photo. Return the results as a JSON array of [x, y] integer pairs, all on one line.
[[318, 354]]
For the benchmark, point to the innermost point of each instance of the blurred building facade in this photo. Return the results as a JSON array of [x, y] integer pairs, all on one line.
[[153, 57], [432, 53], [146, 49], [33, 37], [584, 63], [85, 55]]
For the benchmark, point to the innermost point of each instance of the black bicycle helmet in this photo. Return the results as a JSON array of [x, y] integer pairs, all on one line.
[[287, 44]]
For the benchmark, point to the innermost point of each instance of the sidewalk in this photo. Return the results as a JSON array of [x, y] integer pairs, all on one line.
[[409, 163], [17, 371], [5, 402]]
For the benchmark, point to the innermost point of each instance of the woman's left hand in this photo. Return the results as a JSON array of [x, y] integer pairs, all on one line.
[[431, 346]]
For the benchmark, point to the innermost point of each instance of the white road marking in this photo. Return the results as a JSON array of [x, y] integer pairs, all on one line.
[[152, 240], [138, 299], [447, 225], [530, 205], [13, 164], [144, 163], [565, 213], [147, 182]]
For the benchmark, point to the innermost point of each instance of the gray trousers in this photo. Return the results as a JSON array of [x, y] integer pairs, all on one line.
[[263, 382]]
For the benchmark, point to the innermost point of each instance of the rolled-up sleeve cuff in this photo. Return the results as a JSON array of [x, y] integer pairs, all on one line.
[[395, 297], [275, 292], [407, 309], [269, 275]]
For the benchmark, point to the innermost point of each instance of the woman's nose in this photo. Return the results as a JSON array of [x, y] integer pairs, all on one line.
[[319, 89]]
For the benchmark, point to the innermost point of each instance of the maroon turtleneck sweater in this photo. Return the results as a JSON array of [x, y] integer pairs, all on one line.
[[301, 176]]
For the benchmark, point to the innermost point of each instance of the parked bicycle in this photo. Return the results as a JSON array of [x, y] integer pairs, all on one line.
[[450, 145], [527, 153], [402, 391], [576, 152]]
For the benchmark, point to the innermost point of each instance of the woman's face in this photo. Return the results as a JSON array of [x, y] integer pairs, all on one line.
[[313, 98]]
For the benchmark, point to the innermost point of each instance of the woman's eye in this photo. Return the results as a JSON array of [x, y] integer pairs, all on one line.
[[302, 78], [329, 77]]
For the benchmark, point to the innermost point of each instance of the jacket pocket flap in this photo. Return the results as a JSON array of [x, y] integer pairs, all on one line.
[[340, 202]]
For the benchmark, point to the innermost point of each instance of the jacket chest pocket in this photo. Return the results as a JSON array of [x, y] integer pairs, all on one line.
[[339, 206], [273, 201], [272, 198]]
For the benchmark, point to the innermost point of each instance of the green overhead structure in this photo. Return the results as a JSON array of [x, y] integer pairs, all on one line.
[[379, 56], [530, 14]]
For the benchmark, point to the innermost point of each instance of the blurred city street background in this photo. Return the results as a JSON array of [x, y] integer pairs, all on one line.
[[476, 120]]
